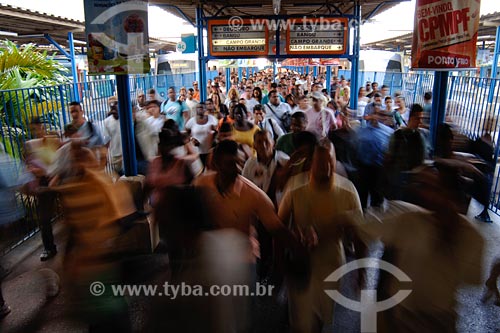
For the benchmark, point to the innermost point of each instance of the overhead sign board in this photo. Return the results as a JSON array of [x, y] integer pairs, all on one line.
[[117, 36], [445, 34], [239, 39], [317, 36]]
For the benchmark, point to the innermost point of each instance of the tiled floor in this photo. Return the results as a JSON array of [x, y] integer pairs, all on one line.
[[31, 312]]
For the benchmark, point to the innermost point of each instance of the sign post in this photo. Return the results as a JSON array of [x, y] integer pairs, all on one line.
[[117, 33], [317, 35], [117, 36], [237, 39], [445, 34]]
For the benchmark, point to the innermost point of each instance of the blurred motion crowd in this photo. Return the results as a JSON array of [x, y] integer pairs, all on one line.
[[271, 179]]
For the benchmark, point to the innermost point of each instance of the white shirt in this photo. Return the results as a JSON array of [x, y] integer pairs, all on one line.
[[156, 123], [270, 125], [362, 103], [192, 107], [261, 174], [202, 133], [276, 112], [251, 103], [320, 122], [112, 135]]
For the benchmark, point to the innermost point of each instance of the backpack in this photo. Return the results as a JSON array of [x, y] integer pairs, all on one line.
[[286, 118]]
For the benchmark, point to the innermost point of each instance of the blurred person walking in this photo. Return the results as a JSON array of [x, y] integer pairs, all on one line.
[[13, 177], [313, 212], [41, 153]]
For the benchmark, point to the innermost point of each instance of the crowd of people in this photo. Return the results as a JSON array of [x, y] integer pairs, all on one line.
[[282, 172]]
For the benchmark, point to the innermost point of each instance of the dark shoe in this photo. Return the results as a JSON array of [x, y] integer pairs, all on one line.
[[47, 254], [4, 311], [491, 290], [484, 218]]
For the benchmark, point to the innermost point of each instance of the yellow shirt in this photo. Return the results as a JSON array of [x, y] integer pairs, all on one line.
[[245, 137]]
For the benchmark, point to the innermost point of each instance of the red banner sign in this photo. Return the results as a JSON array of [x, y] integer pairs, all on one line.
[[445, 34]]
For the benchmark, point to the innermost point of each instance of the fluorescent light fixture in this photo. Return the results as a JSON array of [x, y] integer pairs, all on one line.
[[8, 33]]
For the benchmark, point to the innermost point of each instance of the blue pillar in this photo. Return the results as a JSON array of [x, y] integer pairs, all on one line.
[[74, 71], [275, 70], [307, 69], [438, 103], [240, 72], [328, 78], [202, 68], [228, 78], [126, 125], [494, 69], [355, 58], [315, 71], [85, 81]]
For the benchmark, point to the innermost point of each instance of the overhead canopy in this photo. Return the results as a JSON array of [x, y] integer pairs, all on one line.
[[18, 24], [27, 26], [288, 7], [487, 31]]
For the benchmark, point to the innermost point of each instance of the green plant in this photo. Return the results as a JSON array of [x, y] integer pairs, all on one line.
[[25, 67], [24, 72]]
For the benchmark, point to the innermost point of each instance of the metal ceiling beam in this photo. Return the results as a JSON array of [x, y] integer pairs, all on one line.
[[56, 44], [41, 19], [236, 6]]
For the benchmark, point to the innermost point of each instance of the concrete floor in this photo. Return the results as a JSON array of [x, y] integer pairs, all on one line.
[[25, 291]]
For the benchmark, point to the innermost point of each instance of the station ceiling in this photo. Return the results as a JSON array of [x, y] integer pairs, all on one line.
[[229, 8]]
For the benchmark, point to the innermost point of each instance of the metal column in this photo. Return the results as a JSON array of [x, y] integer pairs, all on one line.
[[329, 78], [438, 103], [73, 66], [355, 58], [228, 78], [126, 125], [202, 68]]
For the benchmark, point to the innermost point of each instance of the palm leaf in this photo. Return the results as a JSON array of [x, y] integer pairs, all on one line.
[[29, 63]]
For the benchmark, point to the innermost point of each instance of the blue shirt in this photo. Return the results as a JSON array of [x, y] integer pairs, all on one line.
[[265, 99], [174, 110], [12, 176], [373, 143]]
